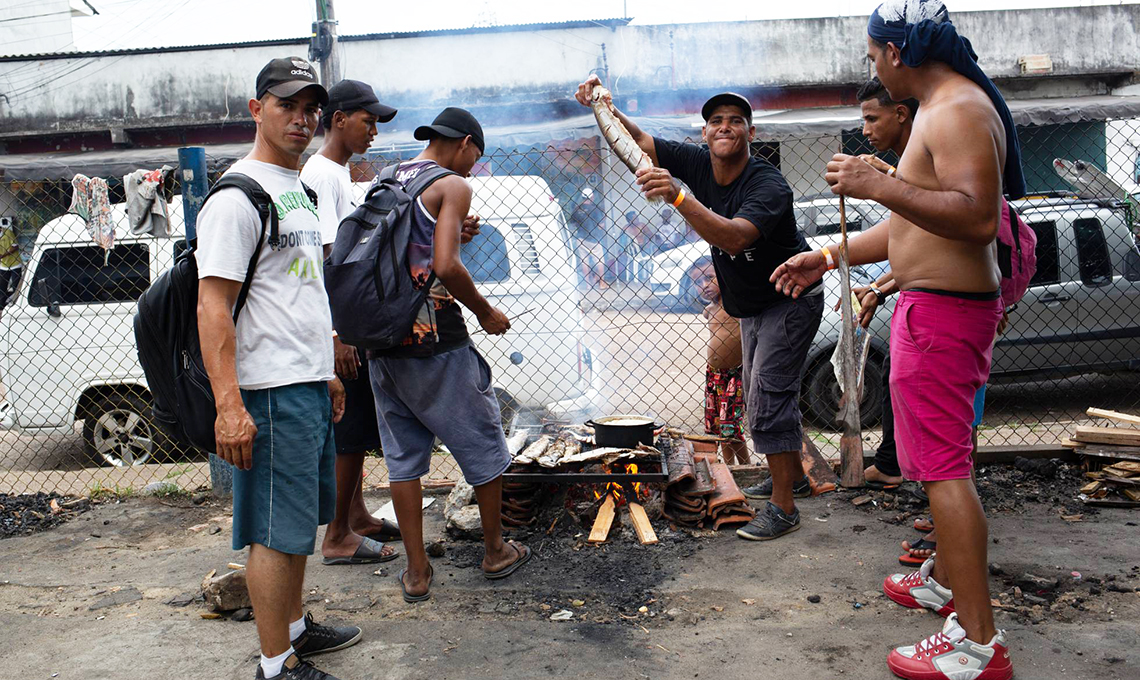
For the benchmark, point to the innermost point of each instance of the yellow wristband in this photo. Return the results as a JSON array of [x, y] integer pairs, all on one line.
[[680, 199], [830, 260]]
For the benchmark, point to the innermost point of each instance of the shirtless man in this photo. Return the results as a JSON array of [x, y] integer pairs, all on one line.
[[724, 393], [945, 201]]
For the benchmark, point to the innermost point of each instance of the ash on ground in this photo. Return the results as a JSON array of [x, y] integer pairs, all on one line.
[[24, 514], [614, 580]]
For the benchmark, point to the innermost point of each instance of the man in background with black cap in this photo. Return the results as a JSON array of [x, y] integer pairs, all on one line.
[[272, 372], [742, 206], [436, 384], [354, 536]]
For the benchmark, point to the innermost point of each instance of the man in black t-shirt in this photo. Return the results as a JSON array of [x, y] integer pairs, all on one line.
[[742, 207], [589, 222]]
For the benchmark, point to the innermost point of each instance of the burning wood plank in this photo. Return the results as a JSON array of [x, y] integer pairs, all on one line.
[[605, 519], [641, 525]]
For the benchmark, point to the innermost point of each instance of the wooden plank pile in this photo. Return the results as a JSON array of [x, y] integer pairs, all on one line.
[[1112, 459], [702, 491]]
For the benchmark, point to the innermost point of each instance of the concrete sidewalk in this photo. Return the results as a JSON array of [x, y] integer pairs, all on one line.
[[88, 600]]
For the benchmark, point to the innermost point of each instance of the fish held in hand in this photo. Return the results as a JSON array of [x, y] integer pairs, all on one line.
[[617, 136]]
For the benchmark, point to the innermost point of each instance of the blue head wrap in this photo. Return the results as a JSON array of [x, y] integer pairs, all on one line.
[[922, 30]]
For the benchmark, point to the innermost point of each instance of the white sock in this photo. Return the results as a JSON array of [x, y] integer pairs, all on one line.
[[272, 667], [296, 628]]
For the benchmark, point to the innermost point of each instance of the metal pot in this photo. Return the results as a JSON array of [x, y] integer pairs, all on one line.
[[611, 431]]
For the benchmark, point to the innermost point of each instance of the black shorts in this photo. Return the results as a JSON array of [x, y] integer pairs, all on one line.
[[776, 344], [357, 431]]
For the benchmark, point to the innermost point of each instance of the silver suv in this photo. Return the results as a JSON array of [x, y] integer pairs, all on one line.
[[1081, 313]]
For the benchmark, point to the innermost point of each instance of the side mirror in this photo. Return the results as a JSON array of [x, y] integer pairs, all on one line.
[[44, 292]]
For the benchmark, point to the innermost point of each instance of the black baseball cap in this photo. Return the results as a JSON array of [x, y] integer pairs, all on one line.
[[353, 95], [454, 123], [729, 98], [287, 76]]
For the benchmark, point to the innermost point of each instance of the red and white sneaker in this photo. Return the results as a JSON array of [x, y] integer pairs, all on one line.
[[918, 590], [950, 656]]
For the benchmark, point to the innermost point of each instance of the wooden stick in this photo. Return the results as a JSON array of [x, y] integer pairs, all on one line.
[[603, 522], [851, 443], [819, 473], [641, 525], [1121, 436], [1114, 415]]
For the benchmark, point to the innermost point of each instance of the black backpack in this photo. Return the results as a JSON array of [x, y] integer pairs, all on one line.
[[166, 330], [371, 295]]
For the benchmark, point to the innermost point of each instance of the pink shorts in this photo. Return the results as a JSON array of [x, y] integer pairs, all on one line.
[[941, 346]]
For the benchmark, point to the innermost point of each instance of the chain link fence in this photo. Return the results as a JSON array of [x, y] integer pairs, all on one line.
[[598, 328]]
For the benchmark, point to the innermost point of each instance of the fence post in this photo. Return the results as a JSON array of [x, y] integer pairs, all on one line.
[[192, 165]]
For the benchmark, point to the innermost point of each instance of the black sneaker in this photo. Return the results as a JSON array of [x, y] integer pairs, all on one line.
[[763, 490], [318, 639], [296, 669], [771, 522]]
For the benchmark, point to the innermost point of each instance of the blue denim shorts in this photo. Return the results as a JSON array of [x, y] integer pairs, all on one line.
[[449, 396], [291, 488]]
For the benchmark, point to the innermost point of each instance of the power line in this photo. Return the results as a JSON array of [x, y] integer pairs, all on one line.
[[34, 16]]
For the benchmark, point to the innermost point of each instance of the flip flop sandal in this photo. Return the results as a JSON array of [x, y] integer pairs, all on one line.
[[408, 597], [524, 554], [920, 494], [369, 551], [388, 532], [882, 486], [909, 559], [925, 529]]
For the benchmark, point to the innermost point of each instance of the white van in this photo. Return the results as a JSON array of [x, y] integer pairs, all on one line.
[[67, 347]]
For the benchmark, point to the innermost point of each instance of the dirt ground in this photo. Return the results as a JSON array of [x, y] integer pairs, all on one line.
[[110, 594]]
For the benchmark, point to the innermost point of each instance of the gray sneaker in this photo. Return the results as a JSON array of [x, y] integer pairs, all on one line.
[[318, 639], [295, 669], [771, 522], [763, 490]]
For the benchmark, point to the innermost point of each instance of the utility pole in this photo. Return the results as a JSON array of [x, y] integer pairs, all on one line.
[[323, 45]]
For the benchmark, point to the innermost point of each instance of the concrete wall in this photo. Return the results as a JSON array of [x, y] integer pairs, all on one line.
[[673, 66]]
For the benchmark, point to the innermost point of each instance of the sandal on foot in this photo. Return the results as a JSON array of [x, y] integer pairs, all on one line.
[[909, 559], [523, 553], [368, 552], [883, 486], [388, 532], [926, 526], [408, 597]]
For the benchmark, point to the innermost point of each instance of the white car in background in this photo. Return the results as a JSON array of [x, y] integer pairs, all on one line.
[[67, 345]]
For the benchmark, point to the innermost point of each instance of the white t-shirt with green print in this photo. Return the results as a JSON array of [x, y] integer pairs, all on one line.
[[284, 332]]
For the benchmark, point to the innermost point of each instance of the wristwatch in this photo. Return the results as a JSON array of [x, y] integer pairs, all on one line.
[[879, 295]]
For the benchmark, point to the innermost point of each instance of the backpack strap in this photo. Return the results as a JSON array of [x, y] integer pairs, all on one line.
[[1015, 229], [418, 184], [268, 212]]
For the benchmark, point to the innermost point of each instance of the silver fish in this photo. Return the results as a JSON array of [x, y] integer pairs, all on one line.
[[617, 136], [535, 450]]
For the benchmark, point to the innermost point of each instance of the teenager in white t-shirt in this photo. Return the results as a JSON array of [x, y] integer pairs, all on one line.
[[349, 120], [272, 374]]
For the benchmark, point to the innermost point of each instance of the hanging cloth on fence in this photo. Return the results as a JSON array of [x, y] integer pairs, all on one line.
[[922, 30], [146, 201], [89, 200]]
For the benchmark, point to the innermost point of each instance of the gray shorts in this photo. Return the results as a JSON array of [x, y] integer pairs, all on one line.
[[776, 344], [448, 396], [291, 488]]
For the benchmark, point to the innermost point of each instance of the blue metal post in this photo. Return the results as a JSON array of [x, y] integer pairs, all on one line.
[[192, 165]]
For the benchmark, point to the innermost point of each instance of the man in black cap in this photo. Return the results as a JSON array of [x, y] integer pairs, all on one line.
[[435, 384], [272, 372], [354, 536], [742, 206]]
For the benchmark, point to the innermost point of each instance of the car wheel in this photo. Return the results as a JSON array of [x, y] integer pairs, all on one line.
[[118, 431], [688, 302], [822, 393]]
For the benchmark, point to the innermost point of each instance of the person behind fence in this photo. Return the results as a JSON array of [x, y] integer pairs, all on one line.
[[589, 223], [349, 120], [946, 201], [272, 376], [724, 386], [742, 206], [11, 266], [634, 240], [436, 384]]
